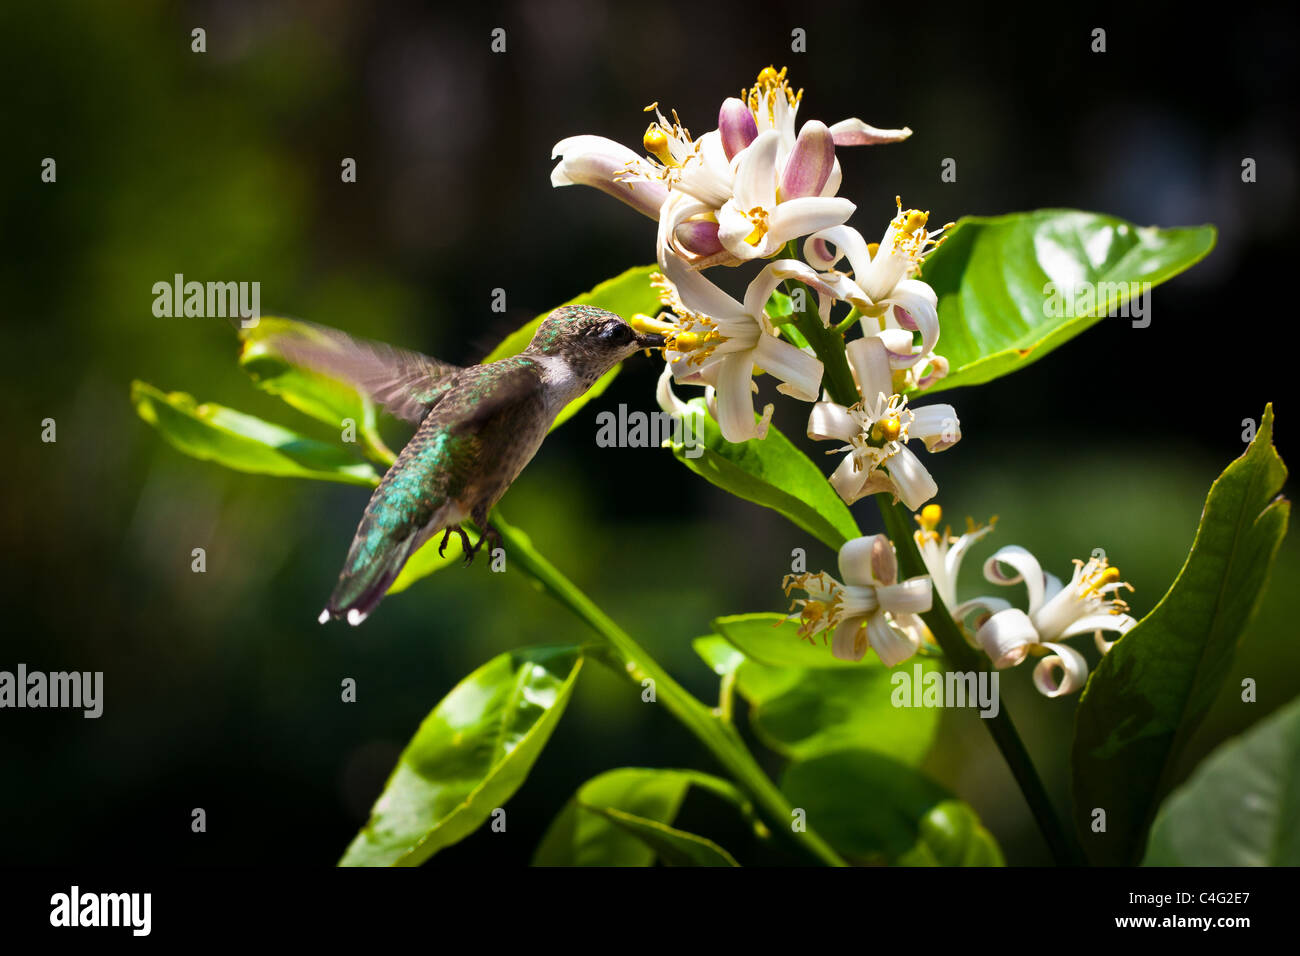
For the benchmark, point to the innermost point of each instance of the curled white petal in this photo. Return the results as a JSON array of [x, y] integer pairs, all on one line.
[[1073, 671], [1006, 637], [891, 645], [1027, 569]]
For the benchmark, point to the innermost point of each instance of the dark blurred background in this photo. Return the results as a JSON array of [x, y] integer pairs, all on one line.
[[221, 690]]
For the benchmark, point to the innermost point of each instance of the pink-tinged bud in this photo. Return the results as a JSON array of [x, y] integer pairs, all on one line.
[[737, 126], [810, 162], [699, 238]]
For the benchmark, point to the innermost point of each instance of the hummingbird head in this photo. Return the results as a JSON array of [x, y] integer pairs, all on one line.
[[591, 341]]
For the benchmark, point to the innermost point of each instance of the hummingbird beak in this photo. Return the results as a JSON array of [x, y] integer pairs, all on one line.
[[650, 340]]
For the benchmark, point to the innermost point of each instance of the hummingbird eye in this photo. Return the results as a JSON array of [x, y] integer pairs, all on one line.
[[616, 333]]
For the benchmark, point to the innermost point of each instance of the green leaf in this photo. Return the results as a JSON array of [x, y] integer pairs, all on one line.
[[1241, 805], [719, 653], [774, 640], [581, 836], [876, 810], [770, 472], [803, 712], [991, 273], [323, 398], [216, 433], [469, 756], [625, 295], [675, 847], [1151, 691]]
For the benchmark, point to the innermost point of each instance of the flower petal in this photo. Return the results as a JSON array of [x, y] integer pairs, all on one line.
[[735, 397], [913, 596], [755, 183], [1096, 623], [1027, 569], [849, 643], [1074, 671], [891, 645], [698, 293], [870, 362], [912, 481], [809, 164], [800, 373], [854, 132], [736, 126], [1006, 637], [868, 561], [610, 167], [936, 425], [798, 217], [830, 421]]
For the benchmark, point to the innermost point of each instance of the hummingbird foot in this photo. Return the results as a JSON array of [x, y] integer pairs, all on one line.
[[487, 534], [464, 542]]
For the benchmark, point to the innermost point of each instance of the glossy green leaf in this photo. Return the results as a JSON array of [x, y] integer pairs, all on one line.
[[216, 433], [624, 295], [1242, 805], [719, 653], [991, 277], [1151, 691], [770, 472], [774, 640], [469, 756], [580, 837], [803, 712], [674, 847], [323, 398], [876, 810]]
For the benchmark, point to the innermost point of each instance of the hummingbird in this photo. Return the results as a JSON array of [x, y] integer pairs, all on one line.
[[477, 429]]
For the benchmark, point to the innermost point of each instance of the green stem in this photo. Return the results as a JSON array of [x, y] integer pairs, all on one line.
[[630, 659], [961, 656], [838, 382]]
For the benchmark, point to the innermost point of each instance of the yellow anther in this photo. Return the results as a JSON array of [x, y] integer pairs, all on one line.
[[755, 237], [656, 144], [914, 220], [645, 324], [931, 515], [1109, 576], [767, 76]]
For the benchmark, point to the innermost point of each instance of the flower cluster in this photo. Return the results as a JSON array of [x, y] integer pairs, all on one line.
[[871, 607], [748, 191]]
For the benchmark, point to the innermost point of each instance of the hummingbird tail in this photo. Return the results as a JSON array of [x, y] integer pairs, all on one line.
[[363, 584]]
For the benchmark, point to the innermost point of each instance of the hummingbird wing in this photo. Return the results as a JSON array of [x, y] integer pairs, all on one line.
[[454, 465], [406, 383]]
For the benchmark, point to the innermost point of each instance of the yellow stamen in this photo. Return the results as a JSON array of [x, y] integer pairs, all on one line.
[[930, 517]]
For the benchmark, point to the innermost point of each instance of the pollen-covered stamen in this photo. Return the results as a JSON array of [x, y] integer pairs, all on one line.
[[771, 83], [821, 609], [909, 236], [929, 519], [669, 143], [758, 216]]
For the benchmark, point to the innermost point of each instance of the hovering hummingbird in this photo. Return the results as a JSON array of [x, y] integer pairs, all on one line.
[[478, 428]]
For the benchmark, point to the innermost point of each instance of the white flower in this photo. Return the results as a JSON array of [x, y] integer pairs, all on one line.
[[881, 287], [1056, 612], [943, 552], [714, 340], [877, 430], [872, 607]]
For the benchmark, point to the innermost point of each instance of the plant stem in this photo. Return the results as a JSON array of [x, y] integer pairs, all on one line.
[[630, 659], [838, 382], [961, 656]]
